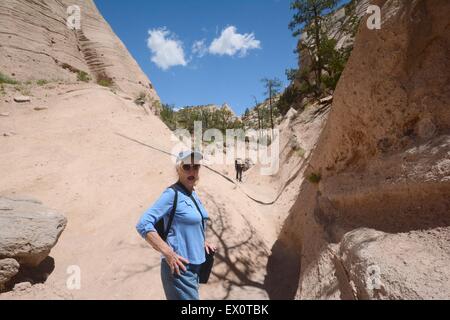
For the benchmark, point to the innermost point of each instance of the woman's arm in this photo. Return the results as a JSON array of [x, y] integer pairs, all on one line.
[[174, 261], [210, 247], [146, 228], [157, 211]]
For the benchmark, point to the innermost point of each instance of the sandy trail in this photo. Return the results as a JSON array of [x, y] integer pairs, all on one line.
[[70, 157]]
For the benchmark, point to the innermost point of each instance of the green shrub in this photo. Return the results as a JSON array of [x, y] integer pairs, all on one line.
[[105, 82], [167, 115], [301, 152], [41, 82], [288, 99], [23, 89], [83, 76], [314, 177], [5, 79], [155, 105]]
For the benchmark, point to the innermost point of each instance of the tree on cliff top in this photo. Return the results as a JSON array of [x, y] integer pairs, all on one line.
[[308, 18], [273, 87]]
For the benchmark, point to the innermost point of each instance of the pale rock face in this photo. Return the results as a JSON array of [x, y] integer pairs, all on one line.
[[339, 21], [21, 99], [28, 230], [338, 26], [226, 107], [382, 200], [36, 43], [416, 267], [23, 286], [8, 269], [395, 86]]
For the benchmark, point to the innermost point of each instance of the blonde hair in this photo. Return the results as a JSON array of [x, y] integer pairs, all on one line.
[[178, 168]]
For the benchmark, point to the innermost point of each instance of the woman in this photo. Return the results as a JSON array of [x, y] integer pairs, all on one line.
[[184, 250]]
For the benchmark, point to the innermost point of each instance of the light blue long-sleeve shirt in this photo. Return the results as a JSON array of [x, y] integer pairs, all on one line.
[[186, 235]]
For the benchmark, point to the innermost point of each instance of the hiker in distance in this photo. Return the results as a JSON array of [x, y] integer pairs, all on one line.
[[239, 166], [175, 226]]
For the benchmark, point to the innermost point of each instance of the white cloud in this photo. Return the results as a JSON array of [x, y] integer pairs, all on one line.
[[199, 48], [167, 51], [230, 43]]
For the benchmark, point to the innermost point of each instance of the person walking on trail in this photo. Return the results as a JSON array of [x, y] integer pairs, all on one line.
[[185, 249], [239, 166]]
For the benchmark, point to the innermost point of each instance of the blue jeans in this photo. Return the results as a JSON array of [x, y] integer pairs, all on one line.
[[180, 287]]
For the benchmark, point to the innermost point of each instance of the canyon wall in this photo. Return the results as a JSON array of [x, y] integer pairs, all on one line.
[[37, 44], [372, 217]]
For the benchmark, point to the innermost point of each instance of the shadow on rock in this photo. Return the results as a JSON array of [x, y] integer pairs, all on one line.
[[283, 272], [33, 275]]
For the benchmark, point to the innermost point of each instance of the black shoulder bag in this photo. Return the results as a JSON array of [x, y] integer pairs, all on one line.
[[159, 225], [206, 267]]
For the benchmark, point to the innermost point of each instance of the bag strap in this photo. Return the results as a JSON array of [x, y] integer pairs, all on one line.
[[172, 213], [195, 202], [199, 211]]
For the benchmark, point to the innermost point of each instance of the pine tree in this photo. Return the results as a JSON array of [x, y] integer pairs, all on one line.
[[273, 87], [308, 18]]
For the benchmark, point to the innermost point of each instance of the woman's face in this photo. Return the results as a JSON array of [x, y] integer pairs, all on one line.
[[188, 174]]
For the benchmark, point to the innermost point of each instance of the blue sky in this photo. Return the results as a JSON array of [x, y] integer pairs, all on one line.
[[252, 41]]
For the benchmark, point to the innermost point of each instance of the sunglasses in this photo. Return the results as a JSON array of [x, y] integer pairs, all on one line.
[[187, 167]]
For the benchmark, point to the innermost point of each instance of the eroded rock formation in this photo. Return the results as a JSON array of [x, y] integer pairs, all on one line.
[[28, 231], [36, 43], [377, 224]]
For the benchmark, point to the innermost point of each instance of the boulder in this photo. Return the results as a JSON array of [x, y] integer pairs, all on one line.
[[28, 230], [8, 269], [326, 100], [291, 113], [411, 265], [21, 99], [40, 108], [23, 286]]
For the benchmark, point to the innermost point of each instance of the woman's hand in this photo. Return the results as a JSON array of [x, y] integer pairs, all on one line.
[[175, 262], [209, 247]]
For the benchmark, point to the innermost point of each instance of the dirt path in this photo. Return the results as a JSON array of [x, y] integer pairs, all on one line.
[[70, 157]]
